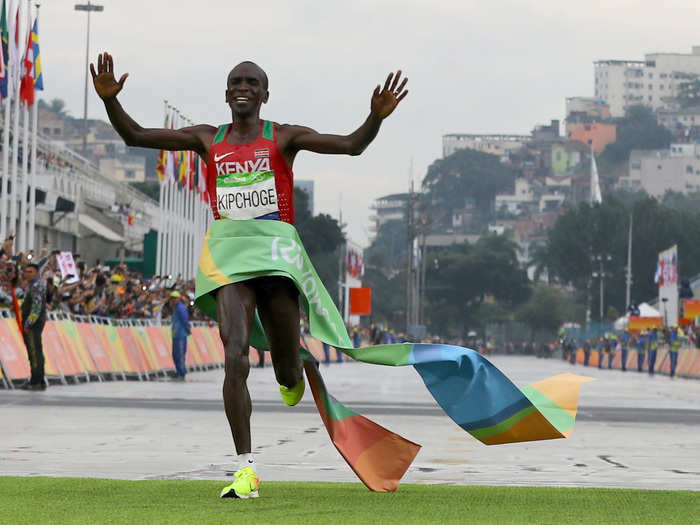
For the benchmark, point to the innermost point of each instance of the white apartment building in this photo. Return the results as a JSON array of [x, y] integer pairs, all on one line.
[[656, 171], [499, 144], [652, 82]]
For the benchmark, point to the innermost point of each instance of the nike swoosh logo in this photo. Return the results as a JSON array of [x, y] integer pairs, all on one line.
[[217, 158]]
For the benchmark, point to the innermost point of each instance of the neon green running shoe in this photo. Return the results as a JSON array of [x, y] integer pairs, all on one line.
[[293, 395], [245, 485]]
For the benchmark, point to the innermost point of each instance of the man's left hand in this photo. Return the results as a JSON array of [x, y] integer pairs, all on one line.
[[384, 101]]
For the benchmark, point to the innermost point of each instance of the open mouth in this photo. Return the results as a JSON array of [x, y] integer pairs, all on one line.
[[241, 100]]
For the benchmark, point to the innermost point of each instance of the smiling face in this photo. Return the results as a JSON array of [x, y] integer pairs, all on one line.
[[246, 89]]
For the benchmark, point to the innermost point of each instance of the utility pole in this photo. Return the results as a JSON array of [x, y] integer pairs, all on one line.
[[410, 234], [89, 8], [628, 293]]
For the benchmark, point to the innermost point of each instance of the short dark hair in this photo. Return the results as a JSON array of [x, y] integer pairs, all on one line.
[[33, 265]]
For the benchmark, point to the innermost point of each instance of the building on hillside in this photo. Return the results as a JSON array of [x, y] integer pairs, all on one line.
[[588, 106], [656, 171], [593, 133], [683, 123], [50, 125], [308, 187], [124, 168], [387, 208], [652, 82], [501, 145], [567, 156], [519, 201]]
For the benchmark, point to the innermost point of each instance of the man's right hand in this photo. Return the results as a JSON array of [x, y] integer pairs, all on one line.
[[104, 81]]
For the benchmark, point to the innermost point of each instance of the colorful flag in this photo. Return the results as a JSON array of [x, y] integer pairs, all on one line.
[[38, 73], [378, 456], [4, 49], [202, 179], [596, 197], [26, 90], [192, 167], [468, 387]]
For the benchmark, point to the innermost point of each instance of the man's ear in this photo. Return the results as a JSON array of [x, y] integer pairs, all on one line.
[[266, 97]]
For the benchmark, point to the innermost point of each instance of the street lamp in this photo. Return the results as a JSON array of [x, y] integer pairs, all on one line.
[[600, 259], [89, 8]]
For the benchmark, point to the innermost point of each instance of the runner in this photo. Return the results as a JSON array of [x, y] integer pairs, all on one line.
[[250, 177]]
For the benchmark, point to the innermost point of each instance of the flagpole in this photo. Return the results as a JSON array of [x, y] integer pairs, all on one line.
[[32, 179], [23, 186], [15, 125], [25, 154], [161, 209], [35, 123], [7, 103]]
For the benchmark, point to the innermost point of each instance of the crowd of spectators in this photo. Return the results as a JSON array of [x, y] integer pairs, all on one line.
[[99, 290]]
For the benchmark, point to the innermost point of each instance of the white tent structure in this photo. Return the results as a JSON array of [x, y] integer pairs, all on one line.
[[645, 310]]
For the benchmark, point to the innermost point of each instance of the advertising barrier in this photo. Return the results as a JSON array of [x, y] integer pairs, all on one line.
[[79, 348]]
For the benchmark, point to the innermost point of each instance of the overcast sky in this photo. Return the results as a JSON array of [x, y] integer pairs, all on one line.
[[473, 67]]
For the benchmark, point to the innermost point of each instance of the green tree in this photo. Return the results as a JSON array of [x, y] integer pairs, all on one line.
[[638, 129], [322, 238], [465, 176], [582, 233], [544, 312], [464, 277]]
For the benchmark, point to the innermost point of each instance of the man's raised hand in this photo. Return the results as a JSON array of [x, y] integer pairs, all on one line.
[[384, 102], [104, 81]]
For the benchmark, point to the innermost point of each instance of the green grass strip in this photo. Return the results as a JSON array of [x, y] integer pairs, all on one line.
[[89, 501]]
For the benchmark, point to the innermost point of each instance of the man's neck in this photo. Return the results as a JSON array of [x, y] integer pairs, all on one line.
[[245, 125]]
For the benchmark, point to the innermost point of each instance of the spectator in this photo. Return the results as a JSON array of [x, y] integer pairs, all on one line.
[[181, 329]]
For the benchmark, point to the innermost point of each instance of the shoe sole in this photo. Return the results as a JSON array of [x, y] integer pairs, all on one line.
[[234, 494]]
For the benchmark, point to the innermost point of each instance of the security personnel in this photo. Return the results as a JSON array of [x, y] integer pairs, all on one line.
[[674, 340], [586, 351], [624, 342], [641, 349], [652, 347]]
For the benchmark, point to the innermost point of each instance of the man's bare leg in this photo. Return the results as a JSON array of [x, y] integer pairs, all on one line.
[[235, 305], [278, 306]]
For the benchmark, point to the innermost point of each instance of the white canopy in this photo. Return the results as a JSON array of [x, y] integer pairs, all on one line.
[[644, 311]]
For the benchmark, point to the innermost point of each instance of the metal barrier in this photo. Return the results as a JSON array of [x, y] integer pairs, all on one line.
[[90, 348]]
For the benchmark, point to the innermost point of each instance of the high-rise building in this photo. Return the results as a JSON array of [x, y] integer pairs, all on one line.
[[652, 82]]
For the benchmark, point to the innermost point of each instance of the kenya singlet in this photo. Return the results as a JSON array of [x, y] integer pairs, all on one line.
[[250, 181]]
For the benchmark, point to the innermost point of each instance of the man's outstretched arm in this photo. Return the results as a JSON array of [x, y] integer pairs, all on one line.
[[193, 138], [384, 102]]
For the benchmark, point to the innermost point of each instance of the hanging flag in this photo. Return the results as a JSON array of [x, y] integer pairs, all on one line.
[[182, 168], [170, 167], [4, 48], [38, 73], [162, 156], [596, 197], [13, 54], [202, 182], [191, 169], [26, 90]]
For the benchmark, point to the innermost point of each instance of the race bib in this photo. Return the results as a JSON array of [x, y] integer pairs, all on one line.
[[243, 196]]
